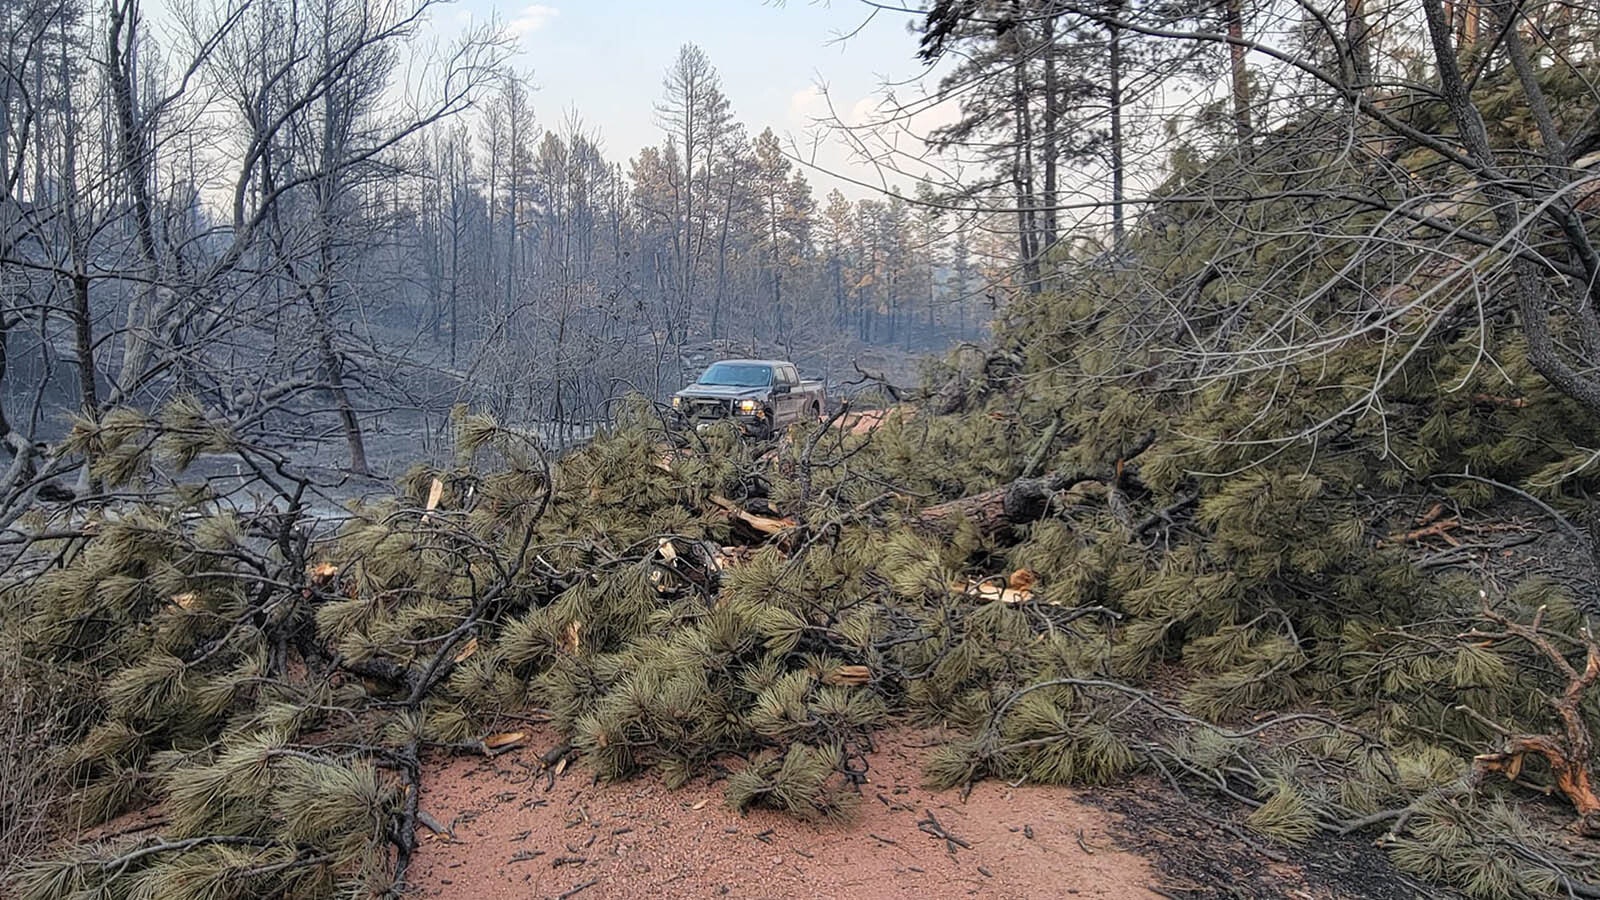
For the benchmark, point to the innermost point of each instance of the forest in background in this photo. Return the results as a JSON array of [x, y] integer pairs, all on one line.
[[310, 217], [1272, 483]]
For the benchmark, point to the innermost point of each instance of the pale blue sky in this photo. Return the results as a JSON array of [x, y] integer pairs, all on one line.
[[606, 58]]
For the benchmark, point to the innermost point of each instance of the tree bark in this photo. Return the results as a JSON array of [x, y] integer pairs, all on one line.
[[1357, 46], [1018, 503], [121, 46], [1052, 121], [1240, 75], [1117, 227]]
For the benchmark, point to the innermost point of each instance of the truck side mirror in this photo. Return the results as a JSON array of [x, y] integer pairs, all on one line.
[[778, 389]]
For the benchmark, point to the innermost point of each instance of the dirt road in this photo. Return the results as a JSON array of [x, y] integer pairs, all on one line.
[[517, 836]]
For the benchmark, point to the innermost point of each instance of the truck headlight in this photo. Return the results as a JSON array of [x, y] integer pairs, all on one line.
[[677, 402], [749, 406]]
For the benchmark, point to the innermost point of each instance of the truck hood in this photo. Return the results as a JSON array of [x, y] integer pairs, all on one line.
[[723, 392]]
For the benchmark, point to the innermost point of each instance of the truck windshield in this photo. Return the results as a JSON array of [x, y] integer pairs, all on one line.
[[737, 375]]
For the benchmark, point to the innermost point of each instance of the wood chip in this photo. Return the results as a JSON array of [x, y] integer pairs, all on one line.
[[571, 638], [504, 739], [1022, 580]]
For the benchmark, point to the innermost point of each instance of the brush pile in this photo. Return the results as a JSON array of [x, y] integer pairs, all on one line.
[[1068, 600]]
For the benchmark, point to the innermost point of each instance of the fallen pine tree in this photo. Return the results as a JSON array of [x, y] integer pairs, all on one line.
[[278, 699]]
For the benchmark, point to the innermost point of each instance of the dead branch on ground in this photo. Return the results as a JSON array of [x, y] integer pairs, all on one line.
[[1568, 753]]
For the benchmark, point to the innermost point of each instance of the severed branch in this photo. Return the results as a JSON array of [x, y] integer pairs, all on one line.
[[1569, 753], [755, 527], [1166, 515], [1440, 529], [804, 473]]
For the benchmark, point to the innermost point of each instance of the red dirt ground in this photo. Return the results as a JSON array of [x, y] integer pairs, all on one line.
[[516, 839]]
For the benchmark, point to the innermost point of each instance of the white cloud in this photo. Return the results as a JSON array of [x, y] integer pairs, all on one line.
[[807, 104], [531, 19], [865, 111]]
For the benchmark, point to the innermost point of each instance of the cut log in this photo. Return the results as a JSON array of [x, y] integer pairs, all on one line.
[[1018, 503], [869, 420], [1026, 500]]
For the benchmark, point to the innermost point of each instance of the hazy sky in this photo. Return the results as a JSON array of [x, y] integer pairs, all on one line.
[[606, 59]]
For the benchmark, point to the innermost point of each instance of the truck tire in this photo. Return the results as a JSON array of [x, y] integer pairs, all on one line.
[[816, 411]]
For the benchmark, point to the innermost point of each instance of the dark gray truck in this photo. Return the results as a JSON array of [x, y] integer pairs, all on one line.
[[761, 396]]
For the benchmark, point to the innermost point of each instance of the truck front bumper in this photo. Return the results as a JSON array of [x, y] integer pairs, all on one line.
[[702, 415]]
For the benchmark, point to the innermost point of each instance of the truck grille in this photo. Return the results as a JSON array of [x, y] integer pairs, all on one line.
[[707, 410]]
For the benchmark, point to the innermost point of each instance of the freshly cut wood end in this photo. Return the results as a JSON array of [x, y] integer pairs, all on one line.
[[848, 675], [467, 649], [991, 591], [435, 494]]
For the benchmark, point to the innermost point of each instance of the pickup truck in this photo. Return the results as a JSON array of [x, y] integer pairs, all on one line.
[[761, 396]]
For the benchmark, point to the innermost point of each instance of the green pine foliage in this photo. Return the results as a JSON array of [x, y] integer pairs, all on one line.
[[1274, 594]]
